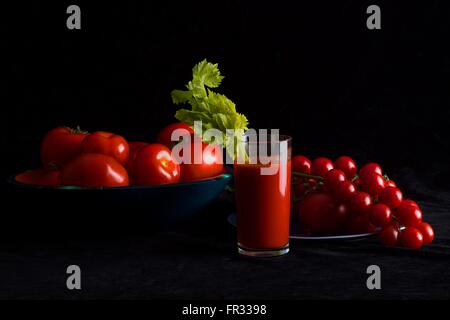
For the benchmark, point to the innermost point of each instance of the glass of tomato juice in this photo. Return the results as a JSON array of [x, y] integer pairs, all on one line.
[[263, 187]]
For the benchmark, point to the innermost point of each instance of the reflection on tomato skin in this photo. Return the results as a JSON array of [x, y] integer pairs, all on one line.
[[115, 176], [107, 143], [168, 167], [206, 161]]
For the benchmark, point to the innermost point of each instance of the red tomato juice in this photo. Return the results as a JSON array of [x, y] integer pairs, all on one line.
[[263, 206]]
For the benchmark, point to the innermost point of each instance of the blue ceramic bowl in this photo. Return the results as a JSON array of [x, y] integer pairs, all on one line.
[[131, 206]]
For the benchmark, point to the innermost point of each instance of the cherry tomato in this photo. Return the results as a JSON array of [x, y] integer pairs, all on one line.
[[411, 238], [94, 170], [408, 202], [409, 215], [61, 145], [345, 191], [372, 183], [211, 162], [321, 214], [391, 196], [370, 168], [321, 166], [301, 164], [389, 236], [347, 165], [427, 232], [153, 165], [361, 202], [389, 183], [358, 223], [380, 215], [40, 177], [165, 135], [134, 147], [108, 144], [332, 179]]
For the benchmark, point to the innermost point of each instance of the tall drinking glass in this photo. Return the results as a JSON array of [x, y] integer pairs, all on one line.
[[263, 186]]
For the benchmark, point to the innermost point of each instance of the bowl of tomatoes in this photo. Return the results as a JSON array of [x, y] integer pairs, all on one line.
[[101, 179]]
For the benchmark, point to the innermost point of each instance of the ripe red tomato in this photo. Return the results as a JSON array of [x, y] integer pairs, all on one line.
[[134, 147], [380, 215], [409, 215], [389, 236], [408, 202], [372, 183], [165, 135], [107, 143], [94, 170], [347, 165], [391, 196], [302, 186], [301, 164], [61, 145], [369, 168], [153, 165], [345, 191], [39, 177], [211, 162], [427, 232], [361, 202], [411, 238], [332, 180], [321, 166], [321, 214]]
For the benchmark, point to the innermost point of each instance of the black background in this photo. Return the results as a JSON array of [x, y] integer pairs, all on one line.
[[311, 69]]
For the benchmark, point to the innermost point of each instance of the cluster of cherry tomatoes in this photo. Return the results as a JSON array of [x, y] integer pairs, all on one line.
[[334, 197], [71, 157]]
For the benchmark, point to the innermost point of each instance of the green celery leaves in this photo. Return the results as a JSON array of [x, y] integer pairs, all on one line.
[[214, 109]]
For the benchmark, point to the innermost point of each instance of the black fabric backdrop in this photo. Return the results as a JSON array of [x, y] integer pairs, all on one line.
[[311, 69]]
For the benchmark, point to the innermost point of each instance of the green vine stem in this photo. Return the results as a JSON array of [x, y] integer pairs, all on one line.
[[305, 175]]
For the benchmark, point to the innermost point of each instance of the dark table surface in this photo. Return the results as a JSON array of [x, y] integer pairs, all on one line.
[[198, 260]]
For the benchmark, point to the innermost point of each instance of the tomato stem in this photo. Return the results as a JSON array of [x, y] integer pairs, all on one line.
[[77, 130], [305, 175]]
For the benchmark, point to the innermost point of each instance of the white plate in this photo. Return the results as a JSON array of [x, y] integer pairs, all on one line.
[[295, 234]]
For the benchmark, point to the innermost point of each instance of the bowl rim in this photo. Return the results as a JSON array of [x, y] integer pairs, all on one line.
[[226, 175]]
